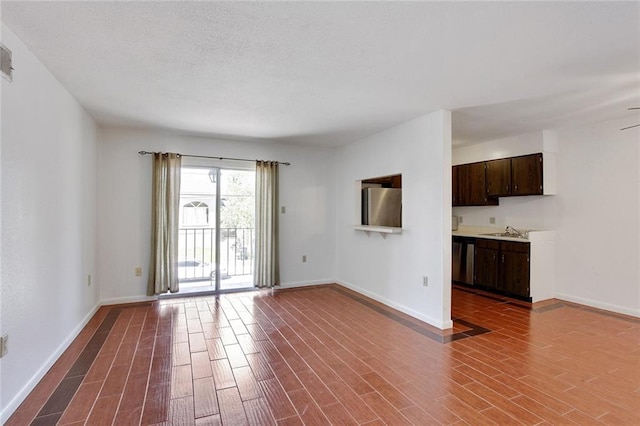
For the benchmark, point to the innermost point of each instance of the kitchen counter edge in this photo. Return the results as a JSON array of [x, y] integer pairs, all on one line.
[[534, 235]]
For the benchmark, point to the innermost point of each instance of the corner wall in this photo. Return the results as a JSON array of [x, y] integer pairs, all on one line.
[[48, 166], [391, 270], [598, 204], [306, 190]]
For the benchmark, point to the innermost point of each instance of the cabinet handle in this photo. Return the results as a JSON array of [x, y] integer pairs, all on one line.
[[507, 188], [516, 188], [502, 257]]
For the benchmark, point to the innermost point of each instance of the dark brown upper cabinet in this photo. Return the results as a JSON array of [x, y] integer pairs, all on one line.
[[480, 184], [470, 186], [499, 177], [454, 186], [526, 175], [515, 176]]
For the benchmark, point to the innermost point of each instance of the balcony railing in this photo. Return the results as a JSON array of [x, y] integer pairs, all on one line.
[[197, 253]]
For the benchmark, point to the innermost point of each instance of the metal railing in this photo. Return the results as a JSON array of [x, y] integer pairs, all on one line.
[[197, 253]]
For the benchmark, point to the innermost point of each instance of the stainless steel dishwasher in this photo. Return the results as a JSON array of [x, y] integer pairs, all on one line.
[[462, 260]]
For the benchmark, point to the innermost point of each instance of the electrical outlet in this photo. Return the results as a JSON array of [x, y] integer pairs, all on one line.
[[304, 258], [89, 280], [425, 281], [492, 220], [138, 271], [4, 345], [283, 209]]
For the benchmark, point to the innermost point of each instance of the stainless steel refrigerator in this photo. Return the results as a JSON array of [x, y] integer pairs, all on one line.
[[382, 207]]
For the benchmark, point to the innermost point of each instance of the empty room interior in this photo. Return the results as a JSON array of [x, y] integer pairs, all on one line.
[[320, 213]]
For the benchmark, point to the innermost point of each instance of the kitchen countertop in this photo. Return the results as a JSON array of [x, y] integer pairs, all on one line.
[[478, 231]]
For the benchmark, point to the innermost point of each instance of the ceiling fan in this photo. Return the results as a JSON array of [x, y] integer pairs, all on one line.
[[635, 125]]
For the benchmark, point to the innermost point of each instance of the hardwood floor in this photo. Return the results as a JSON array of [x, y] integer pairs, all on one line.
[[327, 355]]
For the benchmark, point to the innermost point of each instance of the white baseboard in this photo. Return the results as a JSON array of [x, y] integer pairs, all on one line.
[[13, 405], [130, 299], [306, 283], [599, 305], [442, 325]]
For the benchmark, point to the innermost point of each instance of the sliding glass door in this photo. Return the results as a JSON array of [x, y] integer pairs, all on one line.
[[217, 208]]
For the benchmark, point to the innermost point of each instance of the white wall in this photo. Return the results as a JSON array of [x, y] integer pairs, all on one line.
[[595, 214], [391, 269], [531, 212], [306, 190], [598, 232], [528, 143], [49, 161]]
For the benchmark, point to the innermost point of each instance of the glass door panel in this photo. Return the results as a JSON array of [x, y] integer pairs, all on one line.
[[198, 229], [237, 218]]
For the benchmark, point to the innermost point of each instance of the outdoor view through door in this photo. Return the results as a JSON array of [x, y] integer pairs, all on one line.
[[217, 210]]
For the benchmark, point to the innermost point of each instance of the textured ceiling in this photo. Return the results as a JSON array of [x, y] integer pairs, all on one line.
[[330, 72]]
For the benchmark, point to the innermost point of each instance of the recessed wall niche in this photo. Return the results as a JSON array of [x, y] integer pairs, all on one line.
[[381, 201]]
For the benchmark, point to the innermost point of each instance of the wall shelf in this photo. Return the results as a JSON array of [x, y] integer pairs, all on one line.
[[382, 230]]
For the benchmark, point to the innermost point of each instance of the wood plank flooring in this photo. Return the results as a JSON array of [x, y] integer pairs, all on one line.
[[327, 355]]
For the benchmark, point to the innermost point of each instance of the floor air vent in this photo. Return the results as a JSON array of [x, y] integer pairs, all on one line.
[[5, 63]]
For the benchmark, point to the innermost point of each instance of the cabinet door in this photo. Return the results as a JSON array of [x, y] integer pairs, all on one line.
[[477, 184], [464, 177], [526, 175], [514, 271], [455, 197], [486, 268], [498, 177], [471, 185]]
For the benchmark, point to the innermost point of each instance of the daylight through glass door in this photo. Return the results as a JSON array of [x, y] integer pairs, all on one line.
[[217, 208]]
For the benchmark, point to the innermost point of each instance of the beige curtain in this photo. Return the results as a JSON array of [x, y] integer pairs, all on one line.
[[163, 272], [267, 263]]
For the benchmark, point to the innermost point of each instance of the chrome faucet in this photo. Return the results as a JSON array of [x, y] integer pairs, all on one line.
[[516, 232]]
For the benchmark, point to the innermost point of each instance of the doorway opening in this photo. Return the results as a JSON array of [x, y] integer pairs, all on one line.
[[217, 223]]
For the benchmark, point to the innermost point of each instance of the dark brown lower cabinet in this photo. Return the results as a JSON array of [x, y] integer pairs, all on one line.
[[514, 269], [502, 266], [485, 268]]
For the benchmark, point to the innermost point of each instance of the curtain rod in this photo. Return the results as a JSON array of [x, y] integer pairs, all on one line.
[[215, 158]]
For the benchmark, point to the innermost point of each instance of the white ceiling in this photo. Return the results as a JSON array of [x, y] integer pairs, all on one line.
[[327, 73]]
